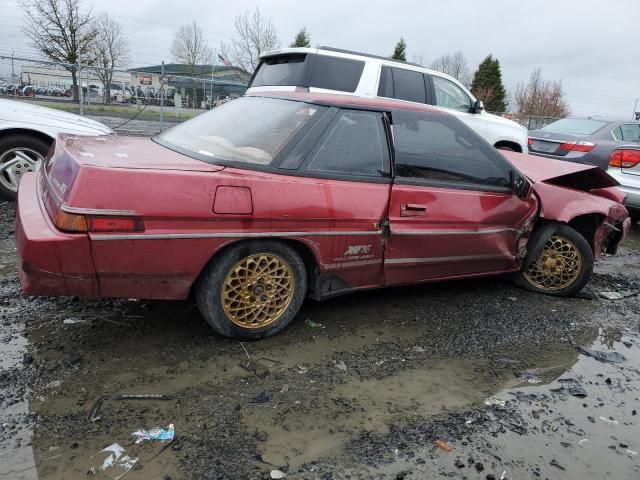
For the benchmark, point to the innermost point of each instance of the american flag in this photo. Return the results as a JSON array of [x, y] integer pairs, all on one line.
[[224, 60]]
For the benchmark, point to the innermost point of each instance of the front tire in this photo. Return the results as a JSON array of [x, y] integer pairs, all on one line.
[[19, 154], [563, 266], [252, 290]]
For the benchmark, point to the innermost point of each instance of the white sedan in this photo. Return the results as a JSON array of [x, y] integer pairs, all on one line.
[[26, 133]]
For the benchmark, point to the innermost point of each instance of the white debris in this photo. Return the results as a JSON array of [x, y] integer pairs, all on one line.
[[612, 295], [341, 366], [494, 401], [583, 441], [72, 321], [278, 474], [605, 419]]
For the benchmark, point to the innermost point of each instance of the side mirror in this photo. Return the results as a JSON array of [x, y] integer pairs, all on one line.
[[478, 106], [519, 185]]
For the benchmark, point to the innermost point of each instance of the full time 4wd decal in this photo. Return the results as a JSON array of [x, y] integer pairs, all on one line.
[[355, 252]]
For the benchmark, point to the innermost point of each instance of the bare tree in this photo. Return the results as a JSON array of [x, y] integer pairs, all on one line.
[[61, 31], [540, 97], [255, 35], [109, 51], [454, 65], [190, 47], [418, 58]]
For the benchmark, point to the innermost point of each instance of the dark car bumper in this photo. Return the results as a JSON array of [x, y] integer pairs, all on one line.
[[50, 262]]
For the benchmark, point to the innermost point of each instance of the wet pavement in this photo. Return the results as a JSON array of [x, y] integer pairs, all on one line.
[[474, 379]]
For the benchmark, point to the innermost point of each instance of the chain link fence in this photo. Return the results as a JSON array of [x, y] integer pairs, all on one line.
[[138, 101]]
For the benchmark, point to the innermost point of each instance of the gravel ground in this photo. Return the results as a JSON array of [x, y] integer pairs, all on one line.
[[474, 379]]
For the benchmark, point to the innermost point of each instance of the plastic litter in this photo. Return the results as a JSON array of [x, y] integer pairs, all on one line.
[[494, 401], [610, 357], [612, 295], [114, 461], [608, 420], [442, 445], [531, 378], [161, 434], [311, 324], [71, 321], [277, 474], [583, 441]]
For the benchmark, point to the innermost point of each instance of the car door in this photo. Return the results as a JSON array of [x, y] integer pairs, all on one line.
[[446, 94], [452, 211]]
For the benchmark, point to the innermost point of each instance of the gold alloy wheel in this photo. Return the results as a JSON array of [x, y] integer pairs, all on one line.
[[557, 266], [257, 290]]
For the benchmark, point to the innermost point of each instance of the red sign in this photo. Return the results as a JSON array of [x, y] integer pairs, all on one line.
[[145, 79]]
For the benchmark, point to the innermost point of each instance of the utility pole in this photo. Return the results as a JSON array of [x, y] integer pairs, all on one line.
[[162, 94]]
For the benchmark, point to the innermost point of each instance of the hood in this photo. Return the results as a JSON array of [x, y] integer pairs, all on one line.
[[29, 113], [557, 172], [504, 121], [128, 152]]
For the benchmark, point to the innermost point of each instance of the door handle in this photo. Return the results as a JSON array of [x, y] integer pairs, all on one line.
[[412, 210]]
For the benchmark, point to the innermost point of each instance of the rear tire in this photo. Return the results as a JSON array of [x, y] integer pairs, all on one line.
[[33, 147], [563, 266], [252, 290]]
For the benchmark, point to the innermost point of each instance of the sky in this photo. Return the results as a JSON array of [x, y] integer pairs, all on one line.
[[592, 46]]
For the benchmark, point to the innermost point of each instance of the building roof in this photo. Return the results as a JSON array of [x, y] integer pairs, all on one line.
[[188, 70]]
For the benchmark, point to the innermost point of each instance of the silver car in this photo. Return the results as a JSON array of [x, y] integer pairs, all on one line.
[[26, 133], [583, 140], [624, 166]]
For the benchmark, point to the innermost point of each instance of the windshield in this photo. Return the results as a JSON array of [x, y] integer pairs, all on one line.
[[248, 130], [576, 126]]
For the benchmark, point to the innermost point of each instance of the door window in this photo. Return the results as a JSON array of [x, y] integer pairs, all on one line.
[[440, 149], [354, 145], [402, 84], [450, 95]]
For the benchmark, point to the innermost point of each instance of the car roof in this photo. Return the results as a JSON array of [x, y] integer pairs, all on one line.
[[608, 120], [341, 100]]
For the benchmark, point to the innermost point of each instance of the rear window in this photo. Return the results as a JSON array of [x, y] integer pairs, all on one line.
[[246, 130], [402, 84], [575, 126], [283, 70], [309, 70]]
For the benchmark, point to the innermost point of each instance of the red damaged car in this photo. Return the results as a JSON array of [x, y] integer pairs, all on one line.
[[272, 198]]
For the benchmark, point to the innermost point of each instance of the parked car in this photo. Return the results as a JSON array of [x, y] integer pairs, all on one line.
[[583, 140], [331, 70], [624, 166], [26, 133], [258, 203]]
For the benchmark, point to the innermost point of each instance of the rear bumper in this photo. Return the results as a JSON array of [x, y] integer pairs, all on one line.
[[50, 262], [630, 186]]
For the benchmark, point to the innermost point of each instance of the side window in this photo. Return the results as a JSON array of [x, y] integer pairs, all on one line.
[[449, 95], [385, 88], [443, 150], [630, 132], [409, 85], [336, 73], [355, 144], [617, 133]]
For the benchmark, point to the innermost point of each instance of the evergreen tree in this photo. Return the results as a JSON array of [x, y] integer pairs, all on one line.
[[487, 85], [400, 52], [303, 39]]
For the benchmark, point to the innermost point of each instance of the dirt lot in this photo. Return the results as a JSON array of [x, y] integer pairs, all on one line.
[[363, 386]]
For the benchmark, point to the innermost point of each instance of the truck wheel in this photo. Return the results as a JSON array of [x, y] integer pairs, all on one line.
[[253, 290], [563, 266], [19, 154]]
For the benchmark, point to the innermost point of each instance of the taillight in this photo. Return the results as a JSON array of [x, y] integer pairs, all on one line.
[[624, 158], [115, 224], [577, 146], [70, 222], [530, 141]]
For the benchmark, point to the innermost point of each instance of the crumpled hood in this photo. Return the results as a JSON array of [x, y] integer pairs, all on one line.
[[26, 112], [557, 172]]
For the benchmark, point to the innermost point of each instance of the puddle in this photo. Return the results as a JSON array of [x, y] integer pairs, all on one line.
[[303, 427]]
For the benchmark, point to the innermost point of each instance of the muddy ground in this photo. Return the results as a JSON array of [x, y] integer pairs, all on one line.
[[474, 379]]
